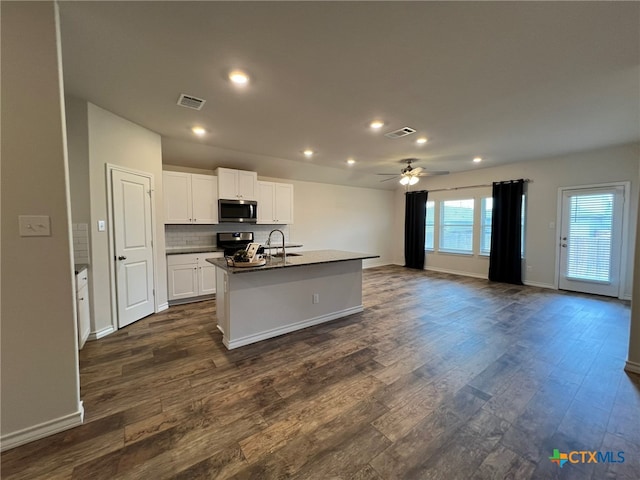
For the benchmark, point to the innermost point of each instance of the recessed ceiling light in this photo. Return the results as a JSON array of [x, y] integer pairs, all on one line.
[[376, 124], [239, 77], [308, 153], [421, 141], [198, 131], [477, 159], [351, 161]]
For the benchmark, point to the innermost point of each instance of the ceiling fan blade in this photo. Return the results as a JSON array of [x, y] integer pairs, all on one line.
[[390, 178], [416, 170], [431, 173]]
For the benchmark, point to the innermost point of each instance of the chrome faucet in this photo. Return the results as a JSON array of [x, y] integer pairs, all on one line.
[[284, 255]]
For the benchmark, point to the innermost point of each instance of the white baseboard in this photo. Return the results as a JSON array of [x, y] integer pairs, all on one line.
[[101, 333], [257, 337], [376, 264], [456, 272], [540, 285], [633, 367], [42, 430], [162, 307]]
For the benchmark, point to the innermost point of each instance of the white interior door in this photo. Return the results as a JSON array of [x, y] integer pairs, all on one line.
[[591, 240], [131, 195]]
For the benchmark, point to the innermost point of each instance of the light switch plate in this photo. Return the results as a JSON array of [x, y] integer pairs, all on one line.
[[34, 225]]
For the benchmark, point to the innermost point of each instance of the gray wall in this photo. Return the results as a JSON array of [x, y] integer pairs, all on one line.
[[40, 381]]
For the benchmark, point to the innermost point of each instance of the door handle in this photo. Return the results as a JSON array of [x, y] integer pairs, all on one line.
[[564, 245], [122, 257]]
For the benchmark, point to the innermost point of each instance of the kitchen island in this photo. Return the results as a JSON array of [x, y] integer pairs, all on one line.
[[286, 294]]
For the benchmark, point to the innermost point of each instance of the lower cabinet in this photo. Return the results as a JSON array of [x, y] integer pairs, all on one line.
[[82, 306], [190, 276]]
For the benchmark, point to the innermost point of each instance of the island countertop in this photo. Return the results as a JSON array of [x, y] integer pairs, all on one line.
[[312, 257]]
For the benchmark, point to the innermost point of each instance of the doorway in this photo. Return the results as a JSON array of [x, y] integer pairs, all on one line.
[[132, 245], [591, 237]]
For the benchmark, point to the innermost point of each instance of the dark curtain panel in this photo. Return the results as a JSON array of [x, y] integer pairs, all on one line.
[[414, 229], [505, 264]]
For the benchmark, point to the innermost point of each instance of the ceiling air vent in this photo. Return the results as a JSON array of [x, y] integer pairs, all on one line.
[[190, 101], [403, 132]]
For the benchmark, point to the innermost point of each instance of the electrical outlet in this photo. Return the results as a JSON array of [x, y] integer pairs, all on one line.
[[316, 298]]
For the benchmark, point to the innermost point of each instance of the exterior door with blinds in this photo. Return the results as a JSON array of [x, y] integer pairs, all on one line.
[[591, 240]]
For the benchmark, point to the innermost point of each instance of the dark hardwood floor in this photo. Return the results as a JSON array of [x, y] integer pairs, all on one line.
[[441, 377]]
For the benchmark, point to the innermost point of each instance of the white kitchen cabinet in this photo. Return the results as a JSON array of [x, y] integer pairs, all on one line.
[[82, 306], [275, 203], [190, 276], [237, 184], [190, 198]]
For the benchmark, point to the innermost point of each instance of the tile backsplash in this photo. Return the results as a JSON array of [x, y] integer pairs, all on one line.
[[205, 235], [80, 233]]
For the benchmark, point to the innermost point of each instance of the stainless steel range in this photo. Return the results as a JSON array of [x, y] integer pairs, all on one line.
[[233, 241]]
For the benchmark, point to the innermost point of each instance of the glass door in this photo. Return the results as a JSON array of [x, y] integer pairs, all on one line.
[[591, 240]]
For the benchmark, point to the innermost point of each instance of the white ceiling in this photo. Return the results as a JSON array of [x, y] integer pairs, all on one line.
[[507, 81]]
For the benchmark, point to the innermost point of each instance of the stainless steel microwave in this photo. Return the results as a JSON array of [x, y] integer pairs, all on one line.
[[237, 211]]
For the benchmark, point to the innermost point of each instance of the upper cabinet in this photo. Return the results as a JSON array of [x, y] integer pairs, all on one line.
[[237, 184], [190, 198], [275, 203]]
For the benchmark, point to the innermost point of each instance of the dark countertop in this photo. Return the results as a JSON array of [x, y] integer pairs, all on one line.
[[201, 249], [210, 248], [312, 257]]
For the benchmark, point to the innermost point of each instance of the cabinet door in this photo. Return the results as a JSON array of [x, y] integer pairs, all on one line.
[[283, 201], [247, 185], [204, 195], [182, 281], [176, 187], [84, 326], [206, 277], [265, 203], [227, 184]]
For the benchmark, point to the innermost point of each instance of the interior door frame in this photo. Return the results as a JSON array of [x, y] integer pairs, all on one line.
[[109, 168], [622, 285]]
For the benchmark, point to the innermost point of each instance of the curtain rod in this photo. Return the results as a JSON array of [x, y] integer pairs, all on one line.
[[525, 180]]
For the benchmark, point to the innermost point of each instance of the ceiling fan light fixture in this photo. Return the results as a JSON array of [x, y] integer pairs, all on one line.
[[413, 180], [404, 180]]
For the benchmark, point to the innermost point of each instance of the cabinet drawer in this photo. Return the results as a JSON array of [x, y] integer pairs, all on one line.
[[191, 258], [81, 279]]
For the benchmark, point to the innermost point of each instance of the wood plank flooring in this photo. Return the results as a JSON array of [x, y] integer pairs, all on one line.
[[440, 377]]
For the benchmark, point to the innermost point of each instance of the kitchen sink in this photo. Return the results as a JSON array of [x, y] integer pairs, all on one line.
[[280, 255]]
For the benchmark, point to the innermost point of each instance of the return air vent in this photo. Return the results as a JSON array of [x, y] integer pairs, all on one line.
[[190, 101], [403, 132]]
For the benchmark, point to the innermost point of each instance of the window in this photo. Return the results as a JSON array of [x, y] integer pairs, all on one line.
[[456, 226], [430, 222], [590, 235], [486, 210]]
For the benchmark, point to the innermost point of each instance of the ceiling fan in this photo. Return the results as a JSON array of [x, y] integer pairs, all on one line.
[[409, 174]]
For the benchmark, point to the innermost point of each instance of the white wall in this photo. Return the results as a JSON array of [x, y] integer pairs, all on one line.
[[39, 361], [614, 164], [338, 217], [344, 218], [114, 140]]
